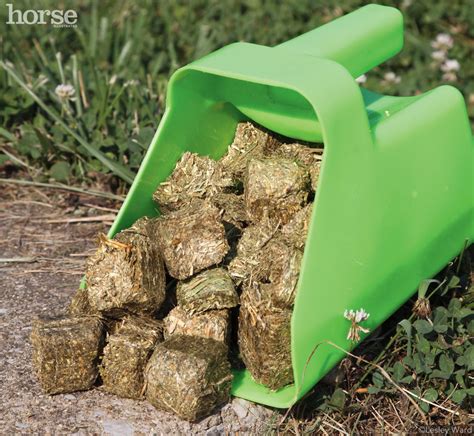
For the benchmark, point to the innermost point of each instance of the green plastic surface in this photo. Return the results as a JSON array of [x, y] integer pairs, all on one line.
[[395, 198]]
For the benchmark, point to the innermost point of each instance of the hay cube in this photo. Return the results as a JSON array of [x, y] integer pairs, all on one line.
[[278, 272], [194, 177], [65, 352], [191, 239], [275, 186], [211, 289], [233, 207], [126, 354], [126, 274], [80, 304], [306, 156], [265, 341], [188, 376], [253, 239], [214, 324], [295, 232], [250, 141]]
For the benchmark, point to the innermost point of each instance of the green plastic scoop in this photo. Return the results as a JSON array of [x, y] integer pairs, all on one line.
[[395, 198]]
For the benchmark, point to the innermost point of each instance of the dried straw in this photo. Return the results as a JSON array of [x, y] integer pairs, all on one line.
[[188, 376], [65, 352]]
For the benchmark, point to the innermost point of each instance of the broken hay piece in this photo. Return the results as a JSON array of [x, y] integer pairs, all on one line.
[[80, 304], [194, 177], [253, 239], [276, 186], [127, 273], [265, 342], [233, 207], [295, 232], [278, 271], [188, 376], [250, 141], [191, 239], [211, 289], [214, 324], [306, 156], [126, 354], [65, 352]]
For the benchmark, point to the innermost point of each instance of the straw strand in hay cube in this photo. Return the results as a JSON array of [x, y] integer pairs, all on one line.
[[126, 274], [66, 351], [214, 324], [126, 354], [210, 289], [275, 186], [191, 239], [295, 232], [265, 340], [188, 376]]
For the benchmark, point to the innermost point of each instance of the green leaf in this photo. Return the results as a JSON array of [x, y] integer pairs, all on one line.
[[398, 371], [422, 326], [377, 379], [453, 282], [423, 287], [440, 374], [454, 306], [440, 320], [60, 171], [423, 345], [338, 399], [446, 364], [406, 325], [431, 394], [373, 390], [458, 396]]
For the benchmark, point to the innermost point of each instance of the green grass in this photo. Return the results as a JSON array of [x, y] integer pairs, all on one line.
[[122, 53]]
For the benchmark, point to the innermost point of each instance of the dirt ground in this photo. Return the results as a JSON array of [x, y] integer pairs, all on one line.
[[45, 237]]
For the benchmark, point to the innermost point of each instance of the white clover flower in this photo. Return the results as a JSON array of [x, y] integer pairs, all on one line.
[[450, 76], [355, 317], [443, 41], [391, 78], [450, 65], [130, 83], [65, 91], [439, 55], [361, 79]]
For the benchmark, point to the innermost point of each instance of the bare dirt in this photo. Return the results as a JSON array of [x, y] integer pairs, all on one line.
[[45, 237]]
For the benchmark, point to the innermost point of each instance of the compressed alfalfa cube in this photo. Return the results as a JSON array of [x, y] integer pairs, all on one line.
[[278, 272], [188, 376], [275, 186], [295, 231], [264, 337], [306, 156], [233, 207], [214, 324], [126, 274], [66, 351], [253, 239], [191, 239], [210, 289], [80, 304], [250, 141], [194, 177], [126, 354]]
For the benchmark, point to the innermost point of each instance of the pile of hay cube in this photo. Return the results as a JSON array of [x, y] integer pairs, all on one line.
[[155, 317]]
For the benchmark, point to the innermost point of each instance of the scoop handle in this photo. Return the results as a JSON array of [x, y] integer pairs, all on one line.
[[359, 41]]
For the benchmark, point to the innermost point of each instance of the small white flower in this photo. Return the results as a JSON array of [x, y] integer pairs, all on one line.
[[65, 91], [361, 79], [450, 76], [391, 78], [439, 55], [355, 317], [450, 65], [130, 83], [113, 79], [443, 41], [406, 4]]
